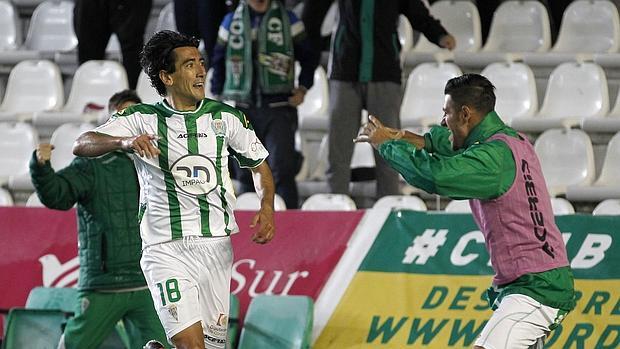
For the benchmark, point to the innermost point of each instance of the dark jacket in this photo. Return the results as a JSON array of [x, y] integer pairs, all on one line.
[[366, 47], [106, 192]]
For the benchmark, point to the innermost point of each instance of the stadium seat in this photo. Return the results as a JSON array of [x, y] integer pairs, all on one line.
[[166, 20], [458, 206], [461, 19], [50, 30], [250, 202], [278, 322], [330, 21], [566, 157], [401, 202], [519, 26], [62, 140], [575, 91], [10, 27], [58, 298], [607, 185], [33, 328], [561, 207], [145, 91], [33, 86], [423, 97], [313, 111], [405, 35], [329, 202], [33, 201], [589, 26], [5, 198], [609, 207], [609, 123], [93, 84], [515, 90], [17, 141]]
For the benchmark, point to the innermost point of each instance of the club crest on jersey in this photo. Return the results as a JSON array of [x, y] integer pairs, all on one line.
[[194, 174], [219, 127]]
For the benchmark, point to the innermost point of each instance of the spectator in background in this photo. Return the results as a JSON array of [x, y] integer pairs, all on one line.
[[365, 74], [95, 21], [201, 18], [111, 285], [259, 75]]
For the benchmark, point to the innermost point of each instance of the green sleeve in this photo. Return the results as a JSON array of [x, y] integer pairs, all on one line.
[[436, 141], [61, 190], [482, 171]]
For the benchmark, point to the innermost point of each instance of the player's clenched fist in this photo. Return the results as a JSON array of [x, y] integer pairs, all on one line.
[[143, 145], [44, 153]]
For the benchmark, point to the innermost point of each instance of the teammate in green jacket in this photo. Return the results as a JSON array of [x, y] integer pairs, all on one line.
[[111, 284]]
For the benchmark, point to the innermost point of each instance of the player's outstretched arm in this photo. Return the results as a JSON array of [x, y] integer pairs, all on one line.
[[375, 133], [265, 188], [91, 144]]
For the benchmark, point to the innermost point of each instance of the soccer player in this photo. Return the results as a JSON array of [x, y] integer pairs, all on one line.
[[182, 146], [476, 156]]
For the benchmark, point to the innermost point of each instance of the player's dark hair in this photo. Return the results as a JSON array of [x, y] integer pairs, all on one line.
[[158, 54], [472, 90], [122, 97]]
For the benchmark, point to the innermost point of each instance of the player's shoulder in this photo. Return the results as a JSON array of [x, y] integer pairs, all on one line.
[[141, 108]]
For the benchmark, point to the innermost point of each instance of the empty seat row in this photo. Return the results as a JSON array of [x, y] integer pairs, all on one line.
[[576, 95], [522, 28]]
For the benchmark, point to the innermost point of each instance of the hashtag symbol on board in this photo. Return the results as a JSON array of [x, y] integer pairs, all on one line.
[[425, 246]]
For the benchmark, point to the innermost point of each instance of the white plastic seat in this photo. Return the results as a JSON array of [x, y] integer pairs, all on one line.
[[519, 26], [62, 139], [5, 198], [51, 27], [33, 201], [17, 141], [561, 207], [607, 185], [145, 91], [609, 123], [166, 20], [330, 21], [93, 83], [461, 19], [423, 99], [589, 26], [10, 27], [401, 202], [566, 157], [609, 207], [458, 206], [313, 111], [250, 202], [33, 86], [575, 91], [329, 202], [515, 89], [405, 35]]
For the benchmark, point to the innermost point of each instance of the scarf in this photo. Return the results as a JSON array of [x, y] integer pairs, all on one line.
[[275, 66]]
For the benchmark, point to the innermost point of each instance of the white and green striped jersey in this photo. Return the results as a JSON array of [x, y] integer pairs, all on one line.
[[187, 189]]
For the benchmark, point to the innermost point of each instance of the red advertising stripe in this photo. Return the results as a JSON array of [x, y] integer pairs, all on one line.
[[298, 261]]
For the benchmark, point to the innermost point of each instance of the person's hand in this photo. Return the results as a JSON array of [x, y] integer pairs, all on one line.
[[298, 96], [44, 153], [142, 145], [266, 227], [375, 133], [447, 41]]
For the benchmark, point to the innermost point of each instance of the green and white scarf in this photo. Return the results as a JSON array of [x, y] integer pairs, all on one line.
[[275, 53]]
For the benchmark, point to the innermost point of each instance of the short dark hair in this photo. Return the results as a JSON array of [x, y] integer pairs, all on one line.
[[158, 54], [473, 90], [122, 97]]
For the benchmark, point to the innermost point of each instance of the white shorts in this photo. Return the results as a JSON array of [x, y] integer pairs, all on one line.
[[189, 281], [518, 322]]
